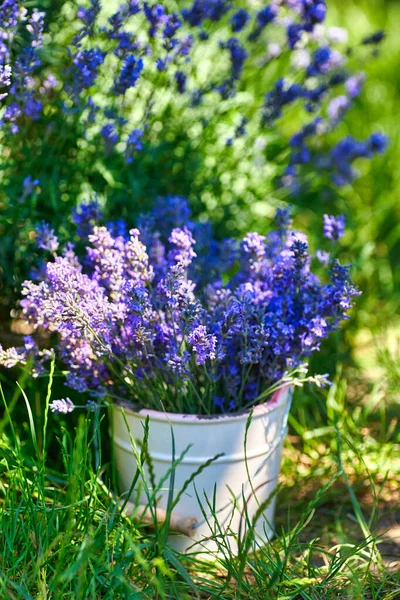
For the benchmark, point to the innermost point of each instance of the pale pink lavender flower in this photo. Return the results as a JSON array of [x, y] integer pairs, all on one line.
[[62, 407], [354, 85], [337, 107]]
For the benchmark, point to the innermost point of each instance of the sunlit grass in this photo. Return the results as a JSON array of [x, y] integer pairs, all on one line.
[[62, 535]]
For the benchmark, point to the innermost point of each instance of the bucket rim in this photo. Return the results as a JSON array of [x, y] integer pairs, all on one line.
[[278, 400]]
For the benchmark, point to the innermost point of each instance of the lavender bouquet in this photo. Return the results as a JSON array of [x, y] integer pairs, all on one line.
[[171, 319]]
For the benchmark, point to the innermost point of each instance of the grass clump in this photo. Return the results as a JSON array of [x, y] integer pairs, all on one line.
[[62, 535]]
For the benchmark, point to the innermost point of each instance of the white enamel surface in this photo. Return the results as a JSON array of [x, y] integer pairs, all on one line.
[[208, 437]]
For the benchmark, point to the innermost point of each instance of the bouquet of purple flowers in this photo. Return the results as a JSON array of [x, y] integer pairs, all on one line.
[[170, 319]]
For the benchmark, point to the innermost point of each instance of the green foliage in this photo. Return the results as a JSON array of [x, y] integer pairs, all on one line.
[[372, 205]]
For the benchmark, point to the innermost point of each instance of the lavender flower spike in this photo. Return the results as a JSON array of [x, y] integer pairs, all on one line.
[[62, 407], [203, 344], [46, 238], [334, 227]]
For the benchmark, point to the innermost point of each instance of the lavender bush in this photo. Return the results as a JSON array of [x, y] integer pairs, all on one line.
[[124, 69], [145, 52], [149, 99], [139, 320]]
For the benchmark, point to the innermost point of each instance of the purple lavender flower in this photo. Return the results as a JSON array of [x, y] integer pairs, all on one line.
[[138, 266], [49, 84], [254, 246], [174, 287], [203, 344], [375, 38], [312, 12], [238, 56], [264, 16], [161, 64], [87, 63], [239, 20], [324, 59], [323, 257], [133, 7], [156, 16], [338, 34], [181, 79], [378, 142], [206, 9], [179, 365], [104, 257], [183, 243], [354, 85], [91, 405], [294, 32], [337, 107], [12, 356], [9, 14], [33, 108], [134, 144], [280, 96], [172, 24], [35, 27], [168, 212], [316, 331], [110, 136], [62, 407], [5, 77], [283, 218], [347, 151], [339, 294], [334, 227], [46, 238], [12, 112], [184, 46], [88, 15], [129, 74], [29, 185], [85, 216], [126, 44]]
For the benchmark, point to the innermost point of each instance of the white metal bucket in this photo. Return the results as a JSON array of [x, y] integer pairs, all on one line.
[[236, 492]]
